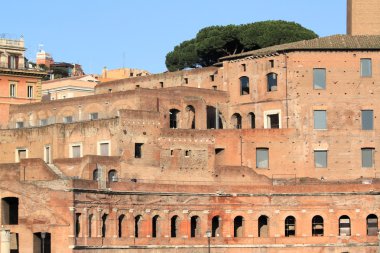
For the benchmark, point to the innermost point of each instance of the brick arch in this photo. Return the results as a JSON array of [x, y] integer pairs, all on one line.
[[115, 107], [67, 111], [91, 108]]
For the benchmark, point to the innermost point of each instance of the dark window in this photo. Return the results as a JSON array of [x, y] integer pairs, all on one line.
[[271, 82], [9, 211], [367, 157], [187, 153], [43, 122], [263, 226], [186, 80], [41, 242], [214, 87], [252, 120], [12, 90], [95, 175], [215, 230], [273, 120], [20, 124], [67, 119], [173, 118], [236, 121], [214, 119], [162, 84], [212, 78], [155, 226], [317, 226], [271, 63], [90, 225], [319, 79], [77, 224], [121, 225], [93, 116], [104, 225], [244, 67], [290, 226], [138, 150], [244, 85], [367, 119], [112, 176], [344, 225], [138, 220], [372, 225], [174, 226], [238, 226], [195, 226], [365, 67], [30, 91]]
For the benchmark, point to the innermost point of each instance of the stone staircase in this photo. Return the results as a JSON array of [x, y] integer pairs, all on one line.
[[57, 171]]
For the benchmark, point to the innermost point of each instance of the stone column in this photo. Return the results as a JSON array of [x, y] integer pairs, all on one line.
[[5, 240]]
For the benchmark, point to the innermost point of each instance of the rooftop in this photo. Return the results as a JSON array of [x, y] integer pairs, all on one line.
[[334, 42]]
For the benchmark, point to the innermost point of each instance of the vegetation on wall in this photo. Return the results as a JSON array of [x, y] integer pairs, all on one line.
[[214, 42]]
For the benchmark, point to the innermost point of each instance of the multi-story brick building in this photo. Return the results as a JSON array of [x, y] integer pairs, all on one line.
[[19, 83], [273, 150]]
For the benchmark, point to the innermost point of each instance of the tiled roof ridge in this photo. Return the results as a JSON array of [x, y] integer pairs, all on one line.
[[337, 41]]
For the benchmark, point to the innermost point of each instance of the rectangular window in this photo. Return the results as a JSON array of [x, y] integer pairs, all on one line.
[[30, 91], [365, 67], [93, 116], [212, 78], [21, 154], [273, 121], [367, 157], [43, 122], [162, 84], [47, 155], [262, 158], [320, 121], [187, 153], [20, 124], [12, 90], [367, 119], [104, 149], [319, 79], [138, 150], [271, 63], [76, 151], [320, 158], [244, 67], [68, 119], [186, 80]]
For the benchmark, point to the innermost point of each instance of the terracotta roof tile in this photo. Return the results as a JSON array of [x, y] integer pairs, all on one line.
[[335, 42]]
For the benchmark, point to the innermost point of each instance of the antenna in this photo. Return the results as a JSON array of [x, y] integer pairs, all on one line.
[[123, 60]]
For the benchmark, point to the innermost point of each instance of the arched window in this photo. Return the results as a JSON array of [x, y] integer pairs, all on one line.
[[138, 220], [252, 120], [190, 117], [214, 118], [272, 82], [195, 226], [9, 211], [215, 226], [174, 226], [155, 226], [236, 121], [344, 225], [244, 85], [290, 226], [238, 226], [77, 224], [121, 225], [263, 226], [104, 225], [95, 175], [372, 225], [90, 225], [173, 117], [317, 226], [112, 176]]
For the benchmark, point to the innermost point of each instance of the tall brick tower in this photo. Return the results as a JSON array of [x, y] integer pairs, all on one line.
[[363, 17]]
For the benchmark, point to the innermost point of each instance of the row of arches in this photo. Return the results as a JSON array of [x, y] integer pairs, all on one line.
[[271, 83], [263, 226]]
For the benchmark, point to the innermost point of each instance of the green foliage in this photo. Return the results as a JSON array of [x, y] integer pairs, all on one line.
[[214, 42]]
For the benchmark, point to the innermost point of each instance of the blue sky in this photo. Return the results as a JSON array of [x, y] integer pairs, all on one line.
[[139, 33]]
